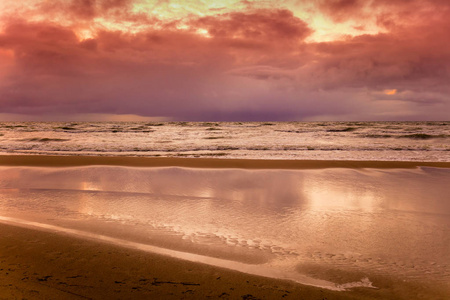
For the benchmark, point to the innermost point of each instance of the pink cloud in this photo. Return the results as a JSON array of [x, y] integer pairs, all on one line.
[[259, 25], [85, 9], [252, 64], [341, 10]]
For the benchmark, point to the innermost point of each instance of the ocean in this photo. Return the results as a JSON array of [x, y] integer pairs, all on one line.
[[388, 141]]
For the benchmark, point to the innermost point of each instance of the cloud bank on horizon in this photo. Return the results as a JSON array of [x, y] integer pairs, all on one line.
[[226, 59]]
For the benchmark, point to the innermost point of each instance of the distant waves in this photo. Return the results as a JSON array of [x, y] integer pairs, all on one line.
[[408, 141]]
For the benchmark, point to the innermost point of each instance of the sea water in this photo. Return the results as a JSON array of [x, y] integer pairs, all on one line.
[[333, 228], [411, 141]]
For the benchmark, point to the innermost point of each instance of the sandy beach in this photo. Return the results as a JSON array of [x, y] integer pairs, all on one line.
[[46, 265], [38, 263], [71, 161]]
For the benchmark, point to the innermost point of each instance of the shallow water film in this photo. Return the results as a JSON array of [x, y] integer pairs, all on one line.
[[333, 228]]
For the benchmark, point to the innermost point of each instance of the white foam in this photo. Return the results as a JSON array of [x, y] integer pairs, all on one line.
[[324, 140], [364, 282]]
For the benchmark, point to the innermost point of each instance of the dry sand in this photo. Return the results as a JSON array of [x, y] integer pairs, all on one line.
[[48, 265]]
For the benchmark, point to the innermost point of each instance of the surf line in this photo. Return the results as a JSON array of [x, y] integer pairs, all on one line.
[[259, 270]]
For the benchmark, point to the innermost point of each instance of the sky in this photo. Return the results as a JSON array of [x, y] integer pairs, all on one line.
[[225, 60]]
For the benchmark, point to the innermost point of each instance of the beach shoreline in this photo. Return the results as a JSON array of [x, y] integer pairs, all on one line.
[[73, 161], [37, 264], [42, 264]]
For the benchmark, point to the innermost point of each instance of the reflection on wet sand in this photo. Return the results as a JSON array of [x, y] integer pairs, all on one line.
[[366, 221]]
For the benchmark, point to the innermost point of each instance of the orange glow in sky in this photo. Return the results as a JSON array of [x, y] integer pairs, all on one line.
[[390, 92]]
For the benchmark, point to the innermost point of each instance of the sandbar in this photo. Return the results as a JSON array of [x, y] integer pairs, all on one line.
[[72, 161]]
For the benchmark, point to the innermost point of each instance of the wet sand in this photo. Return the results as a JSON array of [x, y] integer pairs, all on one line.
[[37, 264], [72, 161], [46, 265]]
